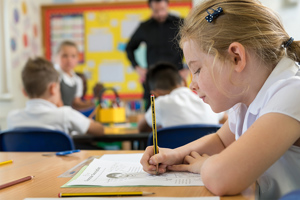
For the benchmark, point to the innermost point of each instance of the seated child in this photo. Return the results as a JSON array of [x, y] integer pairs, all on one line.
[[71, 85], [242, 60], [175, 104], [97, 89], [41, 85]]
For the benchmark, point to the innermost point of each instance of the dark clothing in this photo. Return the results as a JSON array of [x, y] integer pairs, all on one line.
[[67, 93], [146, 96], [161, 42], [162, 45]]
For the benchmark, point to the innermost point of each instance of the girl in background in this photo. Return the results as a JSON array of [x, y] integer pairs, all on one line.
[[71, 85]]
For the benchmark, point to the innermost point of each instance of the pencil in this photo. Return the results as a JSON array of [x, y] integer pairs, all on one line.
[[154, 130], [6, 162], [27, 178], [99, 194]]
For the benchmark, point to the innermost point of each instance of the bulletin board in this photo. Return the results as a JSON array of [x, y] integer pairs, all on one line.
[[101, 32]]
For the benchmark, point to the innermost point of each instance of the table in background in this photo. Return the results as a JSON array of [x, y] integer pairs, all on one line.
[[142, 139], [47, 184], [115, 134]]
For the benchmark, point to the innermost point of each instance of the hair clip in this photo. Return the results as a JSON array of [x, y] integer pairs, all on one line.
[[288, 43], [211, 16]]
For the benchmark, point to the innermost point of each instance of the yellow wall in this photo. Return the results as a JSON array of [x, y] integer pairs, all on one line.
[[110, 22]]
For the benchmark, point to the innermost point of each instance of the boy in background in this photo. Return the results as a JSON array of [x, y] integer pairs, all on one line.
[[175, 104], [41, 85]]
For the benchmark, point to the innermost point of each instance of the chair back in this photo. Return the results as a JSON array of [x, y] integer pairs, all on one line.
[[87, 112], [176, 136], [294, 195], [35, 139]]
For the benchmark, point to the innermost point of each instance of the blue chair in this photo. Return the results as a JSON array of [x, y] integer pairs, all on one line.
[[176, 136], [35, 139], [294, 195], [87, 112]]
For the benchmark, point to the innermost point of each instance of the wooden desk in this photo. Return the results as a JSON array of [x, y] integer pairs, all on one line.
[[47, 184]]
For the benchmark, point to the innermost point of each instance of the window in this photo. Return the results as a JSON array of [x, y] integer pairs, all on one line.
[[5, 87]]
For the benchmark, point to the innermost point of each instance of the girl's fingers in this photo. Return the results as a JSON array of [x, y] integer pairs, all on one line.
[[196, 155], [146, 156], [188, 159], [145, 161], [162, 169], [178, 168], [163, 166], [205, 155]]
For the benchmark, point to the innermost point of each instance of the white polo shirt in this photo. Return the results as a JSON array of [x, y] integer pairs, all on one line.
[[281, 94], [44, 114], [71, 81], [181, 107]]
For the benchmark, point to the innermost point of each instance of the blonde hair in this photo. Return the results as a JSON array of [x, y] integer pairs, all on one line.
[[248, 22]]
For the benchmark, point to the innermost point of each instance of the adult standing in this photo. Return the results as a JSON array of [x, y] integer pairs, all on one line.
[[159, 33]]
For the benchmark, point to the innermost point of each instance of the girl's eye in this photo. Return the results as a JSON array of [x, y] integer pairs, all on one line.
[[198, 71]]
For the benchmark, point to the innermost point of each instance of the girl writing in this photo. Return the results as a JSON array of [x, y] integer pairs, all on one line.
[[243, 60]]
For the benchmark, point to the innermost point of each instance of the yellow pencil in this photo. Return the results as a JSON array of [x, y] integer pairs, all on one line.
[[6, 162], [97, 194], [154, 130]]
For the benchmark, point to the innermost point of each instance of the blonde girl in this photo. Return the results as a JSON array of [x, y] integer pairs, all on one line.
[[243, 60]]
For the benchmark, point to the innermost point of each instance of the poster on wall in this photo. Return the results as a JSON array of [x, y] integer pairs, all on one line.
[[67, 27]]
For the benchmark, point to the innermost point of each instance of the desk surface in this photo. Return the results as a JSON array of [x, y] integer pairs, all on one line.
[[47, 184]]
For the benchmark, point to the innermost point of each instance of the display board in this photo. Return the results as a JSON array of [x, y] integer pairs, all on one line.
[[101, 32]]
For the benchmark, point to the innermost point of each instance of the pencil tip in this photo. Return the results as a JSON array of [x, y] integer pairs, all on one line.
[[148, 193]]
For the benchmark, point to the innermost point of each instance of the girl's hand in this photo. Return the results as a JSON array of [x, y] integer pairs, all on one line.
[[164, 158], [192, 163]]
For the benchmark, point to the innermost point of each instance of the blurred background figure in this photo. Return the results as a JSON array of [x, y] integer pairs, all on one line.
[[159, 33]]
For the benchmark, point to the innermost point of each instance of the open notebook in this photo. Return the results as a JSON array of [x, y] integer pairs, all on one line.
[[126, 170]]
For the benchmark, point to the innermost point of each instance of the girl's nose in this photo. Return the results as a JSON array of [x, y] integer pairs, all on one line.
[[193, 86]]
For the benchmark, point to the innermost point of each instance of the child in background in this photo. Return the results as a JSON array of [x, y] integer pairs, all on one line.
[[41, 85], [97, 89], [175, 104], [241, 59], [71, 85]]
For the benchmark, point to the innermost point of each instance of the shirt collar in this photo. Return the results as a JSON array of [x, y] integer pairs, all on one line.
[[286, 68], [65, 74], [34, 104]]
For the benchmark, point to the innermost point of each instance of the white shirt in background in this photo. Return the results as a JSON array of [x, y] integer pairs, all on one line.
[[182, 107], [43, 114]]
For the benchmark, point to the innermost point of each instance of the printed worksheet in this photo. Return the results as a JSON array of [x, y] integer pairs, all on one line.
[[126, 170]]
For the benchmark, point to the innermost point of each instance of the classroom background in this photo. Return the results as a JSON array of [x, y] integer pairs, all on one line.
[[23, 35]]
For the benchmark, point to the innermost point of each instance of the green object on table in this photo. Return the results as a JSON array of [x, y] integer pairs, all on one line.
[[110, 145]]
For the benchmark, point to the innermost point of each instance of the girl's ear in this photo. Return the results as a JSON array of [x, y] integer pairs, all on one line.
[[237, 55]]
